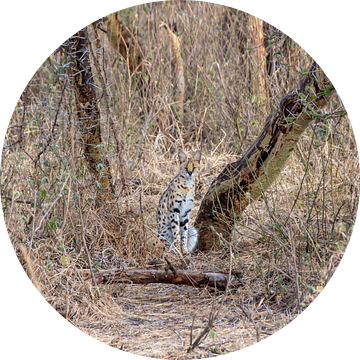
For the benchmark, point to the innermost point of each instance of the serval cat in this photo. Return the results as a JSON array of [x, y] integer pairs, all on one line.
[[175, 206]]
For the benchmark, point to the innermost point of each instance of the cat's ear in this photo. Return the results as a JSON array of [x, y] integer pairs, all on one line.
[[182, 156], [197, 156]]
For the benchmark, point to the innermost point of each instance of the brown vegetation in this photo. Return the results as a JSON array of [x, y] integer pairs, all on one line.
[[285, 247]]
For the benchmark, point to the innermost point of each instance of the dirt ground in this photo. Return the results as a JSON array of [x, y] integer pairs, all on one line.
[[161, 320]]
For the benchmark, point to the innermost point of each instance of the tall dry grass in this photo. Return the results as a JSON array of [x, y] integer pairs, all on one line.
[[287, 245]]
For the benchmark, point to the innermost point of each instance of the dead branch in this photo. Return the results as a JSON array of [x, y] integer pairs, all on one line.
[[182, 277]]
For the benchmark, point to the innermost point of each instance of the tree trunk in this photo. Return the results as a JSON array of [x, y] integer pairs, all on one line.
[[125, 43], [179, 68], [88, 113], [259, 83], [246, 179]]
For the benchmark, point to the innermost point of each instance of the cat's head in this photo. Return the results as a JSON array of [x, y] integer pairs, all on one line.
[[189, 167]]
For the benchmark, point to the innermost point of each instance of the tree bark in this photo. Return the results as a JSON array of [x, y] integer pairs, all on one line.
[[88, 113], [191, 278], [246, 179]]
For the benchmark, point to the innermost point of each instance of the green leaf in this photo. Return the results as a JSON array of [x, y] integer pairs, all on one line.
[[46, 163], [95, 271], [53, 224], [48, 264], [65, 261], [43, 193]]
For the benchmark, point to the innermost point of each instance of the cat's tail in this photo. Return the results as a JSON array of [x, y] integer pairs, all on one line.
[[192, 239]]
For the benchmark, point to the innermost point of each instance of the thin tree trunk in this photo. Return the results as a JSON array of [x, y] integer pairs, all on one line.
[[125, 43], [89, 115], [259, 83], [179, 67], [246, 179]]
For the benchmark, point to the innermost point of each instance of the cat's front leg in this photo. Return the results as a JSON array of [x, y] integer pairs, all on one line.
[[175, 227]]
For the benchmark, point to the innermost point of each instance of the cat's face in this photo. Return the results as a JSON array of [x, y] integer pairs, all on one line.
[[189, 167]]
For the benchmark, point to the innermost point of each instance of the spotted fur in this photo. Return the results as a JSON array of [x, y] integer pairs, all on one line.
[[175, 206]]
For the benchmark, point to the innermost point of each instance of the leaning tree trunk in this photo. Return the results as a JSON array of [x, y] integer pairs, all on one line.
[[246, 179], [88, 113]]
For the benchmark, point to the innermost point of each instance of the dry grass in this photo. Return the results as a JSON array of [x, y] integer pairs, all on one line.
[[287, 245]]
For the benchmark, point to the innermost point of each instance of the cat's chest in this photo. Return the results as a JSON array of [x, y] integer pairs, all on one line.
[[184, 202]]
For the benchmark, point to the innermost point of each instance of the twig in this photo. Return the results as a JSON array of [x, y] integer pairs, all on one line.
[[142, 217], [192, 328], [19, 201], [252, 321], [213, 316], [30, 269], [180, 337], [56, 116], [303, 178], [171, 266], [139, 142], [23, 117], [81, 215], [86, 249], [234, 111]]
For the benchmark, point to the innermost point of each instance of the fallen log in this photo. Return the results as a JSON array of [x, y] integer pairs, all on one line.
[[184, 277]]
